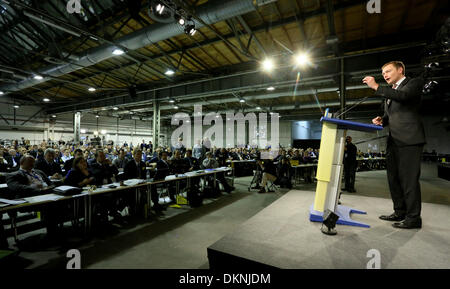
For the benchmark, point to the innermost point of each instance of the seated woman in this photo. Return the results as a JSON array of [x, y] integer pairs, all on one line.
[[269, 173], [79, 175]]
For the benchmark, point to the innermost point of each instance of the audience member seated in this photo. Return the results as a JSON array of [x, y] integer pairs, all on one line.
[[284, 173], [102, 169], [3, 163], [66, 156], [162, 170], [120, 161], [12, 159], [193, 162], [269, 173], [210, 163], [178, 165], [69, 163], [79, 175], [49, 166], [222, 157], [136, 168], [27, 182]]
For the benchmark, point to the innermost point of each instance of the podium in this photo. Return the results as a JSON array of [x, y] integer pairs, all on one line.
[[329, 169]]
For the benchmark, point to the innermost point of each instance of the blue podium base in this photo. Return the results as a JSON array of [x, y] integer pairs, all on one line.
[[344, 216]]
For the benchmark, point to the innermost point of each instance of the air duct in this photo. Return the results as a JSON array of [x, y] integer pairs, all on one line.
[[212, 12]]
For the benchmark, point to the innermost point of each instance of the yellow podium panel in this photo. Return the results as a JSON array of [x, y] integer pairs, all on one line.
[[324, 167]]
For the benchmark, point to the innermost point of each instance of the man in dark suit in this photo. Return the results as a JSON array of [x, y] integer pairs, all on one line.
[[135, 169], [49, 166], [405, 142], [102, 169], [68, 164], [193, 162], [350, 165], [28, 182], [162, 170]]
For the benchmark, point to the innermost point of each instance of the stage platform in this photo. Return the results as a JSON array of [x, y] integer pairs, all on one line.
[[281, 236]]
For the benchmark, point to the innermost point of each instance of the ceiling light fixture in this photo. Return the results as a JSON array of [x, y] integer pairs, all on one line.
[[46, 100], [190, 29], [38, 77], [115, 108], [118, 51], [16, 106], [160, 8], [92, 89], [1, 93], [169, 72], [268, 65], [301, 59], [271, 88]]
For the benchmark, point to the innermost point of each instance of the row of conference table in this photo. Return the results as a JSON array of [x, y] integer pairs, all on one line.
[[89, 193]]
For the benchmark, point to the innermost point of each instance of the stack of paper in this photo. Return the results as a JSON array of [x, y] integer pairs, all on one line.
[[6, 202]]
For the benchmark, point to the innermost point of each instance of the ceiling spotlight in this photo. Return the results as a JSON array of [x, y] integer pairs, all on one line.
[[267, 65], [46, 100], [83, 131], [190, 29], [217, 116], [118, 51], [271, 88], [54, 116], [16, 106], [38, 77], [103, 131], [169, 72], [91, 89], [1, 93], [180, 19], [258, 107], [301, 59], [176, 107], [97, 116], [115, 108], [160, 8], [171, 100], [241, 100]]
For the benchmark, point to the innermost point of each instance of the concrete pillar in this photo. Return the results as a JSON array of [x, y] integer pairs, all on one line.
[[77, 127], [342, 88], [156, 122]]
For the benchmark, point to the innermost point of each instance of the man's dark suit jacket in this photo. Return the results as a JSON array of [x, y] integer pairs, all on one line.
[[402, 114], [20, 186], [162, 170], [132, 171], [101, 172], [48, 169]]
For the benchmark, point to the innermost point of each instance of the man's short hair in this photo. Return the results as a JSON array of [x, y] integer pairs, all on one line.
[[77, 151], [136, 150], [397, 64], [49, 151], [24, 158]]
